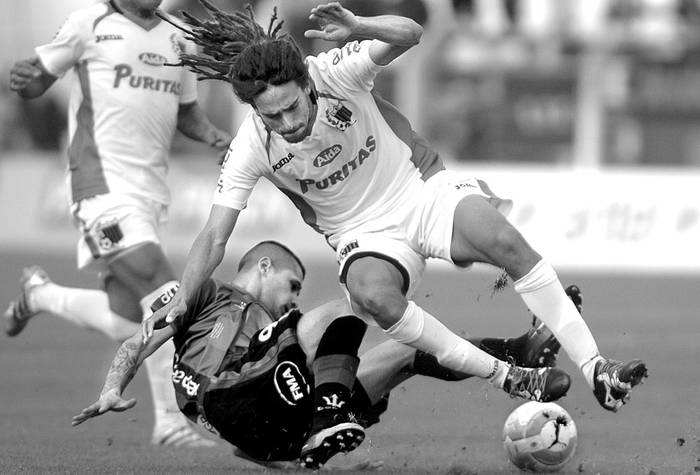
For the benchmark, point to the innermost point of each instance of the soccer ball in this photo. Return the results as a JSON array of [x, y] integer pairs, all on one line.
[[539, 436]]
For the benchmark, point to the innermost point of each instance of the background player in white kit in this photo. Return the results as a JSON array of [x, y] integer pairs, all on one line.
[[376, 190], [125, 105]]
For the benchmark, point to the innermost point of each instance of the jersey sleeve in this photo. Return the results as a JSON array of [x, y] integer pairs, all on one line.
[[348, 69], [65, 50], [241, 168], [205, 295]]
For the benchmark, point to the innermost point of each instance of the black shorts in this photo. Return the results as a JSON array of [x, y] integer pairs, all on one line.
[[267, 410]]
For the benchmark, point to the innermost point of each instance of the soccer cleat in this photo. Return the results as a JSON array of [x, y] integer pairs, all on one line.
[[20, 311], [537, 384], [182, 436], [540, 346], [333, 431], [613, 381]]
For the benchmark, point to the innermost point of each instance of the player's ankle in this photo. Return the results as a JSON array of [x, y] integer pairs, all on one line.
[[588, 370], [500, 372]]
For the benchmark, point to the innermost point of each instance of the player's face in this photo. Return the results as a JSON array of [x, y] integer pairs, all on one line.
[[280, 289], [287, 110]]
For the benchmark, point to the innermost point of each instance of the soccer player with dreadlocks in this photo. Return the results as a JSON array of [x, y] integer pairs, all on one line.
[[378, 193]]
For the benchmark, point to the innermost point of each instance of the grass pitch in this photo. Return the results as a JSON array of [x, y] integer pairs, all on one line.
[[53, 369]]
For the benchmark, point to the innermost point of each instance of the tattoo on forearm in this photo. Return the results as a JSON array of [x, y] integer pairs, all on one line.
[[123, 367]]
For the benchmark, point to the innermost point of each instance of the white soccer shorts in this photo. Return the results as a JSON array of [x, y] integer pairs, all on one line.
[[111, 223], [422, 229]]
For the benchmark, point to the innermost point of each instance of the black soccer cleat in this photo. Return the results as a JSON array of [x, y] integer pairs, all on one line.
[[613, 381], [334, 431], [537, 384], [541, 348]]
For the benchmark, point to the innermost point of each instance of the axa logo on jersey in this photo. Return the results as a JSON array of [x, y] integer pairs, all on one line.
[[345, 170]]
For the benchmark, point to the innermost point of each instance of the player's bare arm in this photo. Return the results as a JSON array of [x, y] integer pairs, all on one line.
[[393, 34], [206, 254], [193, 123], [126, 362], [30, 79]]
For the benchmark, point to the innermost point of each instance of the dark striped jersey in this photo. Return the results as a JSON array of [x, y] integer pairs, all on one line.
[[218, 313]]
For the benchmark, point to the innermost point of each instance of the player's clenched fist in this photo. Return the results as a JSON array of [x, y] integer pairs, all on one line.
[[23, 73]]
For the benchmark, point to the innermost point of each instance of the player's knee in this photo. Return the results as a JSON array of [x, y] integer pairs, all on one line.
[[384, 304], [122, 300], [143, 267], [510, 250]]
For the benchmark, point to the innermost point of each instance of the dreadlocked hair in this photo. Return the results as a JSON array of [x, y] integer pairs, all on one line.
[[235, 48]]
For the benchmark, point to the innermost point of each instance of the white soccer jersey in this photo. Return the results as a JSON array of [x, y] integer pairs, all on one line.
[[123, 103], [361, 160]]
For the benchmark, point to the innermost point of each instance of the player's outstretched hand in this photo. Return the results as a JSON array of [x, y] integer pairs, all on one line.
[[109, 401], [23, 73], [163, 316], [337, 23]]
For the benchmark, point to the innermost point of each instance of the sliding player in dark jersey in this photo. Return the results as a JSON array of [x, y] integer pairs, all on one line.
[[281, 385]]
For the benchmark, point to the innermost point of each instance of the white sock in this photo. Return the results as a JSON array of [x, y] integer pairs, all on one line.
[[85, 307], [544, 295], [421, 330], [159, 367]]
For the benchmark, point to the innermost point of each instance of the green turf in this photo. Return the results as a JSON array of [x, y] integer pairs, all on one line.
[[52, 370]]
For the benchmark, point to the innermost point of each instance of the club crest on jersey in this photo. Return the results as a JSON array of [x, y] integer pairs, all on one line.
[[327, 156], [177, 43], [339, 116], [290, 383], [108, 234]]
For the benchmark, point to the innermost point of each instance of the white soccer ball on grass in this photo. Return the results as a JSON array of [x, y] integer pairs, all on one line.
[[540, 436]]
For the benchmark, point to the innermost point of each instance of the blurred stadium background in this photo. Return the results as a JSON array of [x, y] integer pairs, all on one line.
[[586, 113]]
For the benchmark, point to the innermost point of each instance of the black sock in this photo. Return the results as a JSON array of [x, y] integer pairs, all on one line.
[[502, 348], [336, 362], [366, 413], [426, 364]]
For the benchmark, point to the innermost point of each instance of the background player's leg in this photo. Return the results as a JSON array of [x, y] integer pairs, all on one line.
[[145, 272], [89, 308]]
